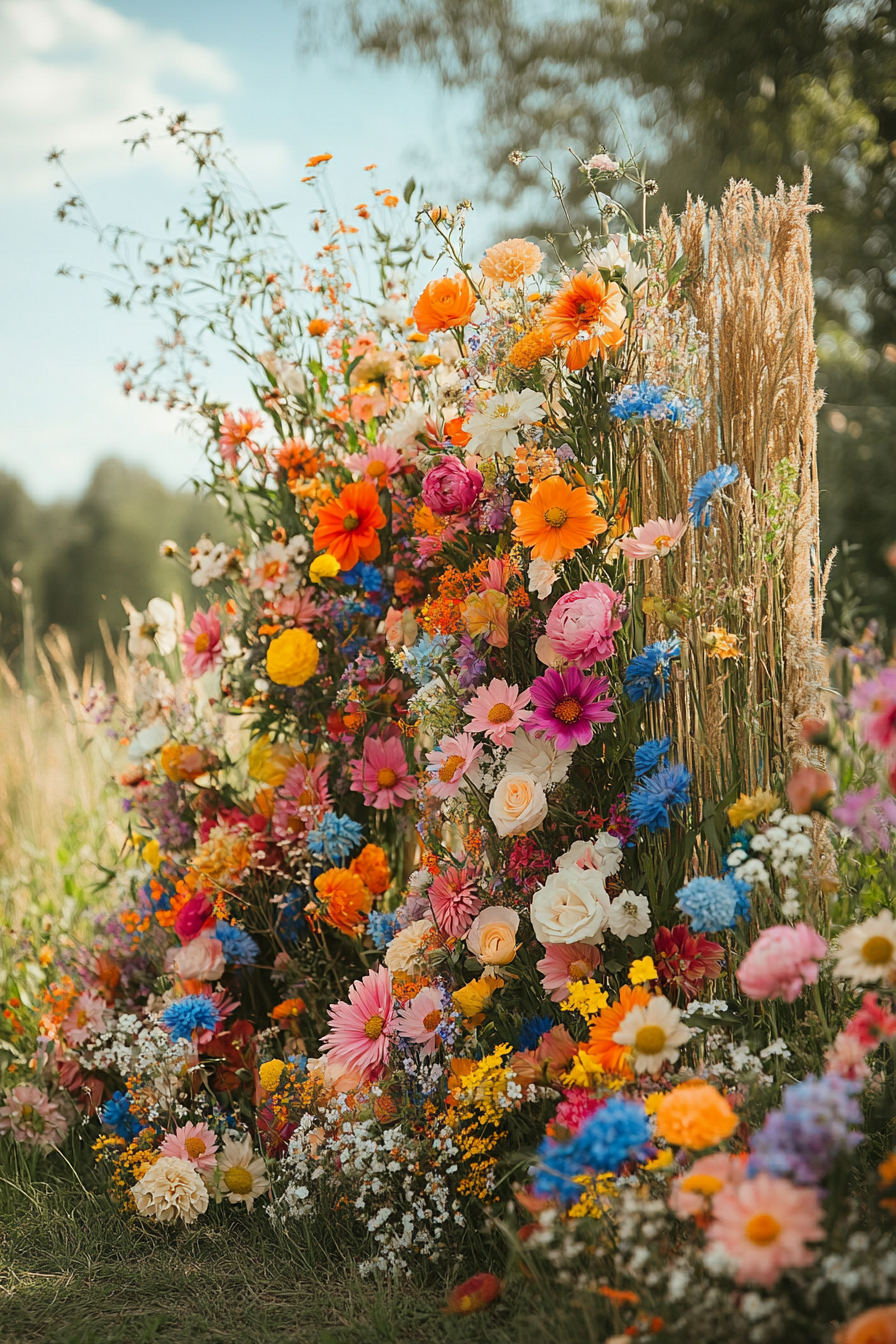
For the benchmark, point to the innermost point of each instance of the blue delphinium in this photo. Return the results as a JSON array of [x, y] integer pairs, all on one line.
[[655, 401], [651, 754], [335, 837], [531, 1031], [706, 488], [239, 947], [647, 675], [117, 1114], [650, 802], [422, 659], [196, 1012], [713, 903], [803, 1138], [612, 1135], [382, 925]]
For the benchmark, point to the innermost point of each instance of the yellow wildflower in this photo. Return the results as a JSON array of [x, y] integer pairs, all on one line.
[[270, 1074], [586, 998], [750, 806], [641, 971], [719, 643], [152, 854], [476, 997], [324, 566]]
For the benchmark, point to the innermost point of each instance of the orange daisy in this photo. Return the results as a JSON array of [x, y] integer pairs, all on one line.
[[345, 899], [601, 1047], [587, 316], [347, 527], [557, 520]]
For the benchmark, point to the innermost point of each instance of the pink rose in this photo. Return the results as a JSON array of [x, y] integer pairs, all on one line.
[[582, 624], [200, 959], [781, 961], [192, 918], [450, 487]]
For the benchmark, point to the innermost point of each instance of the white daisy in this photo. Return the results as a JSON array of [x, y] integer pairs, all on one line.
[[653, 1033], [154, 628], [867, 951], [493, 428], [239, 1175]]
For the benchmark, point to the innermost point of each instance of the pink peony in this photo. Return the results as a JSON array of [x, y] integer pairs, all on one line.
[[582, 624], [781, 962], [382, 773], [450, 487], [362, 1028], [563, 962], [764, 1225], [200, 959], [201, 643], [454, 900], [576, 1107], [192, 1143], [85, 1018]]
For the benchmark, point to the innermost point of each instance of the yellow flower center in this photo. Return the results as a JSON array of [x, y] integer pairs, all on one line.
[[500, 713], [701, 1183], [650, 1040], [201, 642], [500, 409], [27, 1112], [555, 517], [238, 1180], [196, 1146], [82, 1018], [376, 468], [877, 951], [663, 544], [579, 970], [386, 778], [350, 522], [373, 1027], [432, 1020], [451, 764], [568, 709], [762, 1229]]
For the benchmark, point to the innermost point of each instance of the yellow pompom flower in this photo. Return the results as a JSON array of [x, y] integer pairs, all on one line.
[[476, 997], [292, 658], [324, 566], [270, 1074]]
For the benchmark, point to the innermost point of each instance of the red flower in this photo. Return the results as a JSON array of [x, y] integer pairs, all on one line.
[[686, 960], [473, 1295]]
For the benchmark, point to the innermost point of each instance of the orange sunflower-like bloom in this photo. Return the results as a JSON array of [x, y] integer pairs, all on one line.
[[372, 866], [586, 316], [346, 899], [347, 527], [557, 520], [601, 1047], [444, 304]]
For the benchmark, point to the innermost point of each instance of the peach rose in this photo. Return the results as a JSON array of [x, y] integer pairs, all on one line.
[[444, 304], [491, 938], [518, 805], [200, 959]]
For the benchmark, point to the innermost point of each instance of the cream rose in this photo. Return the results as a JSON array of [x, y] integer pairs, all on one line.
[[518, 805], [491, 938], [573, 906], [200, 959], [604, 853]]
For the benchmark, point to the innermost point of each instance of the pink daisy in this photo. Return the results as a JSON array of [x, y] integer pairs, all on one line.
[[300, 608], [704, 1179], [449, 762], [32, 1118], [192, 1143], [569, 704], [764, 1225], [201, 643], [361, 1029], [377, 464], [235, 431], [454, 899], [382, 773], [498, 710], [85, 1018], [420, 1020], [656, 538], [301, 801], [563, 962]]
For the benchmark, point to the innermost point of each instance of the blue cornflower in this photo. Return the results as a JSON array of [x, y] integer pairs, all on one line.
[[382, 925], [196, 1012], [649, 803], [239, 947], [364, 576], [292, 922], [335, 837], [423, 657], [713, 903], [609, 1137], [706, 488], [654, 401], [117, 1114], [651, 754], [531, 1031], [647, 675], [803, 1138]]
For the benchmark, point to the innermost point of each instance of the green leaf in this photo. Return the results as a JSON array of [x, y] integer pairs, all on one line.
[[678, 269], [409, 188]]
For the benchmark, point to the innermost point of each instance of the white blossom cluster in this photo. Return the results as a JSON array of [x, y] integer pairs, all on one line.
[[782, 849]]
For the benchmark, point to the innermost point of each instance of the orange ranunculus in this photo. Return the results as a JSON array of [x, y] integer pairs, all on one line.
[[600, 1046], [346, 899], [372, 867], [586, 315], [557, 520], [695, 1117], [444, 304], [875, 1326], [347, 527]]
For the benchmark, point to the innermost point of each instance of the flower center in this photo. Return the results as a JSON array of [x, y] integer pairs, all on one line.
[[27, 1112], [500, 713], [201, 642], [877, 951], [238, 1179], [350, 522], [432, 1020], [451, 764], [568, 709], [196, 1146], [373, 1027], [579, 970], [650, 1040], [376, 468], [701, 1184], [501, 410], [555, 517], [82, 1016], [386, 778], [148, 630], [762, 1229], [663, 545]]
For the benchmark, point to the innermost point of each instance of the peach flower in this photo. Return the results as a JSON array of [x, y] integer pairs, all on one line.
[[511, 261], [518, 805], [491, 938], [764, 1225]]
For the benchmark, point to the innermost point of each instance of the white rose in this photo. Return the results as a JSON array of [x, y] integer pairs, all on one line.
[[538, 757], [518, 805], [629, 915], [604, 853], [573, 906]]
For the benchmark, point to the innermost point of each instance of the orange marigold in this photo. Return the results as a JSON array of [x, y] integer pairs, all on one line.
[[347, 528], [600, 1046], [586, 316], [345, 899], [557, 520], [318, 326], [537, 344], [695, 1116], [444, 304], [288, 1009], [372, 866]]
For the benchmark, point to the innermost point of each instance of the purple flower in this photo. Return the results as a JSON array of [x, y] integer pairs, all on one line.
[[469, 665], [568, 705], [802, 1139], [870, 815]]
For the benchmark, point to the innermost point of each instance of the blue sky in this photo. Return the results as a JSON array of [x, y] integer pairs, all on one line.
[[282, 85]]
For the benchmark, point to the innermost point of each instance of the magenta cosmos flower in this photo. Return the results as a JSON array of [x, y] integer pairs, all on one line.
[[358, 1041], [382, 773], [201, 643], [498, 710], [449, 762], [568, 705]]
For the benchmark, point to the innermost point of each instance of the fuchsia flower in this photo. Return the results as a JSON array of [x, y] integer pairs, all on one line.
[[582, 624], [449, 762], [498, 710], [565, 962], [420, 1020], [656, 538], [203, 650], [382, 773], [235, 431], [764, 1224], [450, 487], [358, 1040], [576, 1107], [876, 699], [454, 899], [192, 1143], [870, 814], [781, 961], [568, 705]]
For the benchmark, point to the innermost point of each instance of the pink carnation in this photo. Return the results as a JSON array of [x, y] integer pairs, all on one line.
[[582, 624], [450, 487], [201, 643], [454, 899], [781, 962], [576, 1107]]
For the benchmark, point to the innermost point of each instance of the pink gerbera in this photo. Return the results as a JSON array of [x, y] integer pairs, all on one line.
[[361, 1029], [85, 1018], [568, 705], [421, 1019], [454, 899], [564, 962], [32, 1118], [498, 710], [235, 431], [382, 773], [192, 1143], [201, 643], [764, 1225], [377, 464], [707, 1177], [449, 762], [653, 539]]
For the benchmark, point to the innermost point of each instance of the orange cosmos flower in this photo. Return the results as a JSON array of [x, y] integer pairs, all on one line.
[[586, 315], [444, 304], [345, 898], [601, 1047], [347, 527], [557, 520]]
